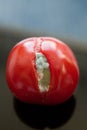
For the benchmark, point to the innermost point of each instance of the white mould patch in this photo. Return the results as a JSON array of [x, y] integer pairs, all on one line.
[[43, 71], [41, 62]]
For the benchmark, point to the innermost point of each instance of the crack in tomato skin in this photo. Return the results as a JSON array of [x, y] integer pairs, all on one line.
[[43, 72], [21, 71]]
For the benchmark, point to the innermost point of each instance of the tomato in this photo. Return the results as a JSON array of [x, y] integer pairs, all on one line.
[[42, 70]]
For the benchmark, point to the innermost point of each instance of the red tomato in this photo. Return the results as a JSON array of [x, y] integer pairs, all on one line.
[[42, 70]]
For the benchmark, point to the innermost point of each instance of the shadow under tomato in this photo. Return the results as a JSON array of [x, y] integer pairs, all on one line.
[[39, 116]]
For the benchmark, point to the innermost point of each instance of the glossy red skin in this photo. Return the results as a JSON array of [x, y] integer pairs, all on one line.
[[22, 77]]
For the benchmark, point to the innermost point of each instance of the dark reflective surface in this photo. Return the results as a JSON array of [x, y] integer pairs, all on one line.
[[40, 117], [14, 115]]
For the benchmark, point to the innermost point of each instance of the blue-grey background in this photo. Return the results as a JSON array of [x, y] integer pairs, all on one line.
[[64, 18]]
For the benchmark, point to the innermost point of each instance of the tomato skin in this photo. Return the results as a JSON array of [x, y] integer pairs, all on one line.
[[21, 72]]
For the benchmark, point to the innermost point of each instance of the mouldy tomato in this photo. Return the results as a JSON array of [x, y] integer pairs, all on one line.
[[42, 70]]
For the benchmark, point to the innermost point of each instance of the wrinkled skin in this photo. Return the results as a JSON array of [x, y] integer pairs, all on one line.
[[22, 76]]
